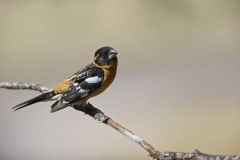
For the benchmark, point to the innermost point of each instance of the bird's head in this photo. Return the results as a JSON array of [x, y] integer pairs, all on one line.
[[105, 57]]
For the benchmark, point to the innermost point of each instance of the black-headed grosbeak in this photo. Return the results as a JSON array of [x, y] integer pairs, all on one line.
[[84, 84]]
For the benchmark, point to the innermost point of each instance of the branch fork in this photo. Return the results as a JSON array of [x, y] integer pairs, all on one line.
[[98, 115]]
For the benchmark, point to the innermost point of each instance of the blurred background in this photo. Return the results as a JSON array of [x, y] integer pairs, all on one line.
[[178, 81]]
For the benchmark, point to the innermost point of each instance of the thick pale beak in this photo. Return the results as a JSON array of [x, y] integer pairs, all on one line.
[[112, 54]]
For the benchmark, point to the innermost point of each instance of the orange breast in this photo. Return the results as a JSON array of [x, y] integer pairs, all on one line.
[[109, 75]]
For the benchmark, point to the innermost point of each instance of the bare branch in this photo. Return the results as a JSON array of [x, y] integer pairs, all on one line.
[[155, 154], [20, 85], [100, 116]]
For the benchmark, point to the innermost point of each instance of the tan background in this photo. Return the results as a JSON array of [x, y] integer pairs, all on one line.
[[178, 83]]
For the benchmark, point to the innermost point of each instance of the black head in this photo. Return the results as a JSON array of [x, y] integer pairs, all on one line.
[[105, 56]]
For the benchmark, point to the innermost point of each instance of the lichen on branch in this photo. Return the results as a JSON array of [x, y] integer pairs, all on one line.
[[98, 115]]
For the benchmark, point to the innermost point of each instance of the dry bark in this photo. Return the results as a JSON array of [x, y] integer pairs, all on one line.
[[98, 115]]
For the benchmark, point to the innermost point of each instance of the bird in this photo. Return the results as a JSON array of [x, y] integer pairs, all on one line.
[[86, 83]]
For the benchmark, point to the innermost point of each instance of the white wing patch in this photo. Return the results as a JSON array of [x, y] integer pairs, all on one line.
[[82, 91], [94, 79], [57, 97]]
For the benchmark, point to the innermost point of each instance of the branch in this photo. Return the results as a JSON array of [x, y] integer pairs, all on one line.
[[98, 115], [20, 85]]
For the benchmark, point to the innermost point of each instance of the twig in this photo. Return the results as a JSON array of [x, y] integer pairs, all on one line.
[[20, 85], [100, 116]]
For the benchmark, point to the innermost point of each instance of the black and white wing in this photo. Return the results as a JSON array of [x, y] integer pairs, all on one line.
[[84, 83]]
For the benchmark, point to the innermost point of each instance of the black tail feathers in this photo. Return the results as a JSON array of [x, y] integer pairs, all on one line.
[[39, 98]]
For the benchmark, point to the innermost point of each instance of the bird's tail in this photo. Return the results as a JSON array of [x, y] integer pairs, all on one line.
[[39, 98]]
